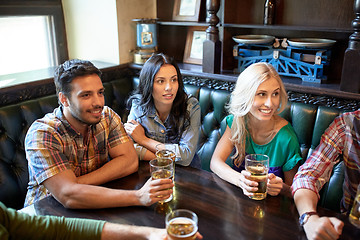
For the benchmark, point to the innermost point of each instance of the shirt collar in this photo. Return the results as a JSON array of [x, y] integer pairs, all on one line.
[[60, 115]]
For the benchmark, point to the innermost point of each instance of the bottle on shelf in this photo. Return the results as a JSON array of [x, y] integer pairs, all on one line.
[[269, 13]]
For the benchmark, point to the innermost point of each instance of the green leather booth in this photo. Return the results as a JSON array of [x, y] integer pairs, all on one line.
[[309, 122]]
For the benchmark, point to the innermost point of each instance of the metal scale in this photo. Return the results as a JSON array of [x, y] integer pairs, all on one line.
[[304, 58], [146, 39]]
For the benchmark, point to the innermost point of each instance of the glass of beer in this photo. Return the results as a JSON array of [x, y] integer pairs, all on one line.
[[354, 216], [258, 166], [181, 224], [166, 150], [162, 169]]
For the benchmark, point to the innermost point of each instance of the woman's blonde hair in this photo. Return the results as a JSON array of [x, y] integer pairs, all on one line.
[[242, 99]]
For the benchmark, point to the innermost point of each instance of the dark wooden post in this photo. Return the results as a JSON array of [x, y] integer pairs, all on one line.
[[212, 44], [350, 77]]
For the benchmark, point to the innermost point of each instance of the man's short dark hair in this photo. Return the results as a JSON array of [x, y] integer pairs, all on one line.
[[66, 72]]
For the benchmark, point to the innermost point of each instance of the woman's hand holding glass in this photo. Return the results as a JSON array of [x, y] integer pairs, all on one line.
[[246, 184], [274, 184]]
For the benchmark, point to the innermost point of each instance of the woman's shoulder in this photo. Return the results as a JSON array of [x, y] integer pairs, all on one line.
[[192, 103], [285, 129], [137, 110], [229, 120], [192, 100], [280, 122], [134, 100]]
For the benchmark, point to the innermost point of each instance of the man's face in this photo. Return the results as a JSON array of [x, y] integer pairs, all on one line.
[[86, 101]]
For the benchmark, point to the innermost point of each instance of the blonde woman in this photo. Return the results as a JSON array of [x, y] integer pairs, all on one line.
[[254, 126]]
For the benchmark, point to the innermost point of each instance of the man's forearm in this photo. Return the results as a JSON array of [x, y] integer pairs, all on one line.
[[305, 200], [81, 196], [114, 169]]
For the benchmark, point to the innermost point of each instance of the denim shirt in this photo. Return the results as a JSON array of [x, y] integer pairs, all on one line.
[[156, 129]]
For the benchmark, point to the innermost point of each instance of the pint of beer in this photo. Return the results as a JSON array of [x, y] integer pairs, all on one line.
[[181, 224], [164, 151], [258, 166], [162, 169]]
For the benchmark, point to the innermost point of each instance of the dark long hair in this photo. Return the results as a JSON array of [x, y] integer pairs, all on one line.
[[179, 117]]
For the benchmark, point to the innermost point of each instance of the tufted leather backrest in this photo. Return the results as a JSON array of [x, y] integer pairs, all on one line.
[[212, 103], [309, 122], [16, 119], [14, 123]]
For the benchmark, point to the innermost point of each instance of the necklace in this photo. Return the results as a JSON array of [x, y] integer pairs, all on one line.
[[263, 139], [272, 130]]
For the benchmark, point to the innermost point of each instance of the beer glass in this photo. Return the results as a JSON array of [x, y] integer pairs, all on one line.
[[166, 150], [162, 169], [354, 216], [181, 224], [258, 166]]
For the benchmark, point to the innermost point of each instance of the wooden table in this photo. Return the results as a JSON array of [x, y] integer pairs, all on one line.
[[223, 211]]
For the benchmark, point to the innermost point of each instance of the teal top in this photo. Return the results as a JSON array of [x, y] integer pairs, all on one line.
[[283, 150], [16, 225]]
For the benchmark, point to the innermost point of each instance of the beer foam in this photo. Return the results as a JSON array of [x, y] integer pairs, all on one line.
[[184, 221], [257, 169]]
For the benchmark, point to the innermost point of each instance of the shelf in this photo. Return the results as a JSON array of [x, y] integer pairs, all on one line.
[[291, 84], [288, 27], [329, 19], [175, 23]]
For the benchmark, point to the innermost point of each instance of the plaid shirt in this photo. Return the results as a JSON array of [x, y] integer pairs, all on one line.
[[341, 141], [52, 145]]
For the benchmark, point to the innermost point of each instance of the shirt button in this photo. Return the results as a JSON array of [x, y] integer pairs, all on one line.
[[162, 131], [81, 145]]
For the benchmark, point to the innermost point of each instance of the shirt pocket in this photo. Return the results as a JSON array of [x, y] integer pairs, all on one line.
[[156, 135]]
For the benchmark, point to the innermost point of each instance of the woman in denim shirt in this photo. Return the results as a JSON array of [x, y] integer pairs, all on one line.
[[162, 112]]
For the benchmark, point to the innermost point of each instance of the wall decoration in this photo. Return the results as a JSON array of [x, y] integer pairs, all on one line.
[[186, 10], [194, 45]]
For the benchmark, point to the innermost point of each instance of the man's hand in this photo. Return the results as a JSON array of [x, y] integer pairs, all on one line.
[[154, 191], [274, 185], [323, 228]]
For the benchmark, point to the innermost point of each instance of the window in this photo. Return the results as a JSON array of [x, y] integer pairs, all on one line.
[[26, 44], [32, 36]]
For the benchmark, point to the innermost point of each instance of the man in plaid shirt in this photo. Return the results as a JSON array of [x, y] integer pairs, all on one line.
[[341, 141], [81, 145]]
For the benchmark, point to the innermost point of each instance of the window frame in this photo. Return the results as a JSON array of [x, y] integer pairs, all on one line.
[[52, 8]]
